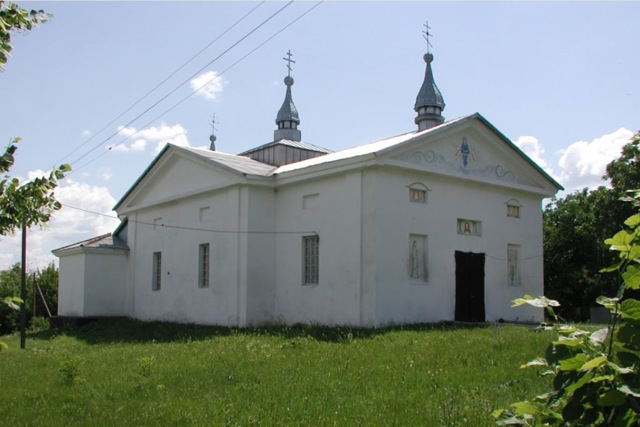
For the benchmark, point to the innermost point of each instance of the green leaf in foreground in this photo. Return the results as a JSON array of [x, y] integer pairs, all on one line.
[[535, 302], [593, 363], [630, 309], [631, 276], [611, 398], [574, 363]]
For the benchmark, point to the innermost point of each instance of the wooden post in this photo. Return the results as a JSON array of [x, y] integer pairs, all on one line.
[[44, 301], [34, 294], [23, 290]]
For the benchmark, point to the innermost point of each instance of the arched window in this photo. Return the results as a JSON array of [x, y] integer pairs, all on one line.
[[418, 192]]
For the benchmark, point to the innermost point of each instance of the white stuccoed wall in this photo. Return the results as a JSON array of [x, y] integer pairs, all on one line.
[[71, 285], [335, 216], [92, 283], [180, 299], [400, 299], [105, 282]]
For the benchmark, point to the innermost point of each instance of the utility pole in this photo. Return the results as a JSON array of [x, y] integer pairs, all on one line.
[[23, 289]]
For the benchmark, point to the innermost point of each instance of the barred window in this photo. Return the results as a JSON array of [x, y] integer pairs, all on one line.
[[310, 259], [203, 266], [157, 271]]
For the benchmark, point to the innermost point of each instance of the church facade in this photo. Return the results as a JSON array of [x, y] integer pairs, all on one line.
[[440, 223]]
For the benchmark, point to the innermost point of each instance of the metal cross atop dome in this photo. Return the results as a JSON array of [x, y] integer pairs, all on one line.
[[212, 137], [426, 34], [289, 61], [212, 122]]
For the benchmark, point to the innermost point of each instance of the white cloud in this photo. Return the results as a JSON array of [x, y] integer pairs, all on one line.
[[583, 163], [138, 145], [155, 135], [36, 174], [532, 148], [87, 133], [105, 173], [209, 84], [67, 226]]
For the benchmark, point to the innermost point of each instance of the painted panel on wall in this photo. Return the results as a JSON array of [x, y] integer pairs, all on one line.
[[418, 258], [469, 155]]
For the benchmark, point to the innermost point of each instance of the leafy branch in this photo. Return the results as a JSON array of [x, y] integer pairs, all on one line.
[[595, 373]]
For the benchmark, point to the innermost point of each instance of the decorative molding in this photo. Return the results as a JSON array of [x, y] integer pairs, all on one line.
[[432, 158]]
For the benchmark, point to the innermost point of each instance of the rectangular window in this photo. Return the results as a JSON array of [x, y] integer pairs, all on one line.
[[310, 259], [203, 266], [157, 223], [157, 271], [513, 267]]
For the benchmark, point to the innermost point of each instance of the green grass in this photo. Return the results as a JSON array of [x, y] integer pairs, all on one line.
[[125, 372]]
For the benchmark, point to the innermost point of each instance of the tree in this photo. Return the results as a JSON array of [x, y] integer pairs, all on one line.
[[624, 172], [23, 205], [15, 18], [47, 280], [33, 202], [30, 203], [575, 228]]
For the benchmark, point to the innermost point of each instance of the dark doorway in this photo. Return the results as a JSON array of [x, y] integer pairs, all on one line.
[[469, 287]]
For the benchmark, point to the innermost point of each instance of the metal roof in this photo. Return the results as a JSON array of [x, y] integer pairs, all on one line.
[[105, 241], [246, 165], [295, 144], [361, 150], [238, 163], [288, 111], [429, 95]]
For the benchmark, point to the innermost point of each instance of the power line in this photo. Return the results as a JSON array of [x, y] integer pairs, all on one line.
[[161, 83], [208, 230], [179, 227], [196, 90], [187, 80]]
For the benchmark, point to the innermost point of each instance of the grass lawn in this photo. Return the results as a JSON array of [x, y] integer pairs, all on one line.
[[126, 372]]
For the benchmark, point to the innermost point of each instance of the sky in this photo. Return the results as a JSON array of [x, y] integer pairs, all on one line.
[[557, 78]]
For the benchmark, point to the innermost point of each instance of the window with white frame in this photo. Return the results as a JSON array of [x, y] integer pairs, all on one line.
[[203, 265], [157, 271], [310, 260]]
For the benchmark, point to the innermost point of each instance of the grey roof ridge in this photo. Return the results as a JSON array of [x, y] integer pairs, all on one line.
[[192, 152], [82, 242], [296, 144]]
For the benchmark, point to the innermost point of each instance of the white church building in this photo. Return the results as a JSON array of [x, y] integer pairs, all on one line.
[[443, 222]]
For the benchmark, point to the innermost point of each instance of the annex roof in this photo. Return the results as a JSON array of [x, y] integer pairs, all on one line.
[[105, 241]]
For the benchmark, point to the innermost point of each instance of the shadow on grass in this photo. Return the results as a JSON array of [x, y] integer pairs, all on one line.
[[116, 330]]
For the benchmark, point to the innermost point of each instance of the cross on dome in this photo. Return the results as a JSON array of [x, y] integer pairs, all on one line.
[[426, 34], [289, 62]]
